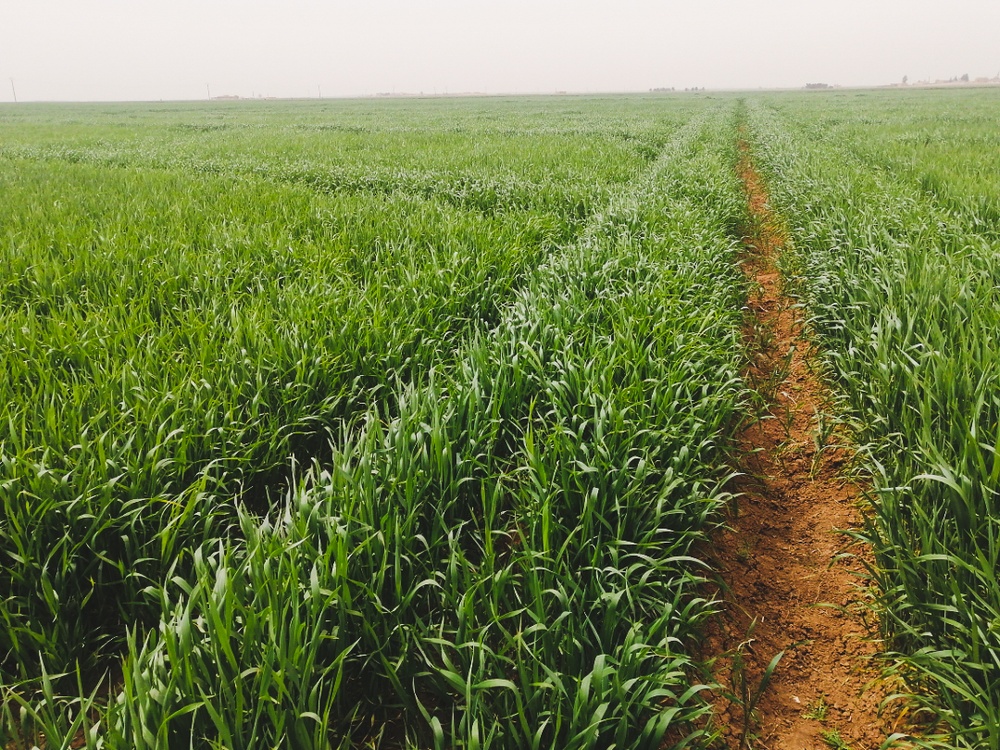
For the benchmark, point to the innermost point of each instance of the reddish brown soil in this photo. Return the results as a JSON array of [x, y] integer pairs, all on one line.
[[785, 581]]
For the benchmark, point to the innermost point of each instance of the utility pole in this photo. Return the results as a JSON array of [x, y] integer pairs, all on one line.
[[13, 91], [319, 91], [209, 90]]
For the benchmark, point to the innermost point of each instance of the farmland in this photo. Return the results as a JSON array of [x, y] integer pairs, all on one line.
[[407, 423]]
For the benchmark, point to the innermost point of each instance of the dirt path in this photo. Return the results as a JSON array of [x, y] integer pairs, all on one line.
[[788, 586]]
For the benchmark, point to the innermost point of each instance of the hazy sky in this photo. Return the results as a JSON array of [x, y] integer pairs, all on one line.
[[175, 49]]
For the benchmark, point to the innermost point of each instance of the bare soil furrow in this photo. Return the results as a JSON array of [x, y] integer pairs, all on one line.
[[790, 579]]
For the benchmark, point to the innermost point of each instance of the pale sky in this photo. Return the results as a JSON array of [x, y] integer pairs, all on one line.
[[178, 49]]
